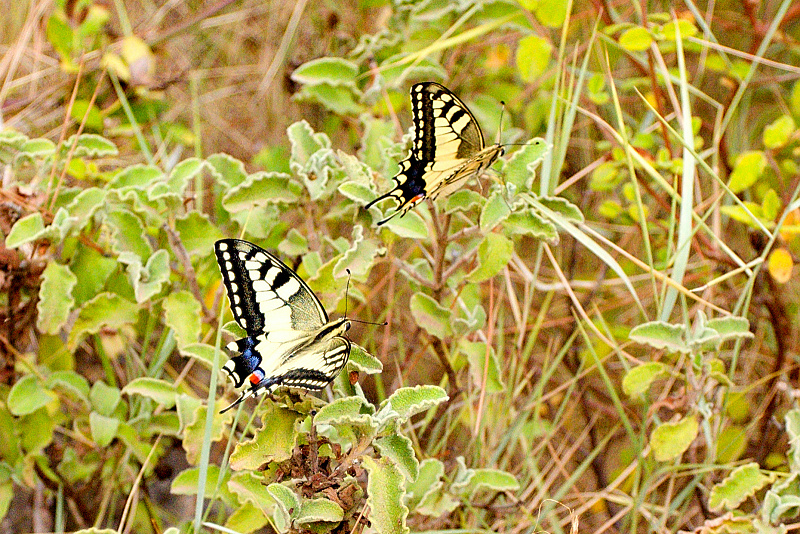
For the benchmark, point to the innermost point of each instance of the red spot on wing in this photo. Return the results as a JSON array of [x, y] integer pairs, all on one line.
[[257, 376]]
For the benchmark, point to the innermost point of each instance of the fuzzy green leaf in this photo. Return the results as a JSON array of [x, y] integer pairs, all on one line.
[[25, 230], [638, 379], [670, 440], [520, 167], [430, 316], [27, 395], [495, 211], [661, 335], [346, 411], [183, 314], [188, 481], [411, 226], [261, 189], [330, 70], [741, 484], [147, 281], [287, 505], [55, 298], [197, 232], [400, 450], [477, 357], [385, 490], [103, 311], [161, 391], [363, 362], [494, 253], [91, 146], [104, 429], [104, 398], [319, 510], [272, 444], [409, 401], [204, 353]]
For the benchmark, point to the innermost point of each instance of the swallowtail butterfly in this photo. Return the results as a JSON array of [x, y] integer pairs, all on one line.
[[290, 340], [448, 149]]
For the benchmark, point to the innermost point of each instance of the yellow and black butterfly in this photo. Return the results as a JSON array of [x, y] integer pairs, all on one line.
[[448, 149], [290, 339]]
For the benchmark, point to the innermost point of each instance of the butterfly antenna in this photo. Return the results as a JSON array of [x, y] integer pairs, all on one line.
[[500, 128], [347, 291], [235, 403]]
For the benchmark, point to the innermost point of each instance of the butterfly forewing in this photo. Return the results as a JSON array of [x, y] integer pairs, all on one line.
[[448, 149], [290, 340]]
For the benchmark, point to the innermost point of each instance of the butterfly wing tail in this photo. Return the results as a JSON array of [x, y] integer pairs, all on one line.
[[265, 386]]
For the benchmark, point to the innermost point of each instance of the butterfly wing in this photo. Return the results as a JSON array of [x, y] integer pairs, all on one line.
[[448, 149], [312, 368], [270, 302]]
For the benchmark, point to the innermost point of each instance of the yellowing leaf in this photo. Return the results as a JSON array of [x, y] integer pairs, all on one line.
[[780, 265], [533, 55], [670, 440], [635, 39], [748, 168]]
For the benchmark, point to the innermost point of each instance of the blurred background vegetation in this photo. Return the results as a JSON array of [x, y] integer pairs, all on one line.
[[640, 369]]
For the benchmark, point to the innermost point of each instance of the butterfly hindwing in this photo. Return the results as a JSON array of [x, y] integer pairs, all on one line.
[[448, 149], [290, 340]]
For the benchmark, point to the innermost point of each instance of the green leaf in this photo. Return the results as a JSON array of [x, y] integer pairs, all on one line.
[[104, 429], [385, 489], [319, 510], [161, 391], [670, 440], [92, 271], [197, 232], [748, 168], [203, 353], [25, 230], [551, 13], [339, 99], [362, 361], [531, 222], [129, 234], [104, 310], [777, 134], [494, 253], [352, 410], [104, 398], [329, 70], [411, 226], [470, 482], [638, 380], [187, 481], [183, 173], [731, 444], [86, 203], [406, 402], [533, 57], [495, 211], [147, 281], [476, 352], [741, 484], [273, 443], [430, 316], [792, 422], [55, 298], [228, 170], [400, 450], [70, 382], [184, 315], [661, 335], [520, 167], [37, 148], [195, 431], [729, 328], [136, 177], [36, 430], [261, 189], [91, 145], [246, 518], [288, 505], [635, 39], [563, 207], [27, 396], [770, 205], [463, 200], [686, 28]]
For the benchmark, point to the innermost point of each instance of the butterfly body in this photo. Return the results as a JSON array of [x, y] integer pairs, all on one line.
[[290, 340], [448, 149]]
